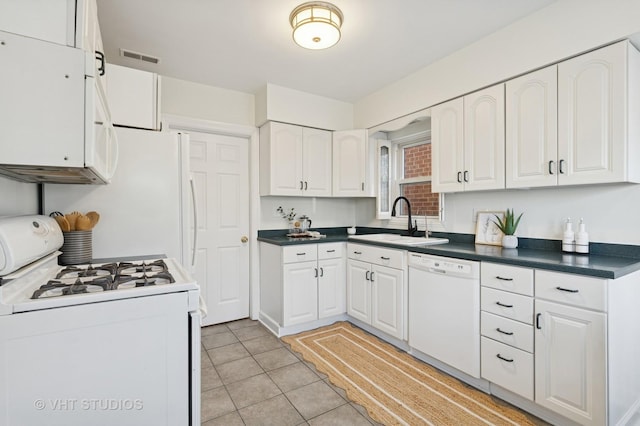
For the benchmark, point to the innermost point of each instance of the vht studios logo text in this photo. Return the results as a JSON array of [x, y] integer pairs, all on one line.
[[88, 404]]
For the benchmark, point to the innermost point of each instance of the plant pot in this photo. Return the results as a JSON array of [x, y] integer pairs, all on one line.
[[509, 241]]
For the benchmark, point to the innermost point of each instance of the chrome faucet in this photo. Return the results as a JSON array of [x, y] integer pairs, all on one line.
[[411, 228]]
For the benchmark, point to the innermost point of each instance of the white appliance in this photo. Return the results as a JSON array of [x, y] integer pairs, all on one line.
[[55, 124], [146, 209], [444, 310], [100, 344]]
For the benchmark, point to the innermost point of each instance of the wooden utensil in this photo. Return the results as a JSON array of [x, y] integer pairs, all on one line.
[[72, 218], [63, 223], [94, 217], [83, 223]]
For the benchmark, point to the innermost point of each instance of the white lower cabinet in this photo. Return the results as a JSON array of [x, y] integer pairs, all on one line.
[[377, 289], [506, 324], [571, 346], [571, 364], [300, 290], [301, 283]]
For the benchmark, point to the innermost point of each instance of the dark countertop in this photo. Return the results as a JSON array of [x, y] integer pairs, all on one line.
[[605, 261]]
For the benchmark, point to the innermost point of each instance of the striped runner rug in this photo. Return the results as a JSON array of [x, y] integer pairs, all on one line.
[[394, 387]]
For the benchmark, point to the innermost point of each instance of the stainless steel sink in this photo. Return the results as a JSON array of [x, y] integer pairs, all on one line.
[[399, 239]]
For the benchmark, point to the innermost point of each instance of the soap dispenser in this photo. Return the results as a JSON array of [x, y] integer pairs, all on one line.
[[582, 238], [568, 243]]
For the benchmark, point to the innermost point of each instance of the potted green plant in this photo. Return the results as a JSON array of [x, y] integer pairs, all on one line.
[[508, 228]]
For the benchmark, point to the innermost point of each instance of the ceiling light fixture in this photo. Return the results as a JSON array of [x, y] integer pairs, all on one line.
[[316, 25]]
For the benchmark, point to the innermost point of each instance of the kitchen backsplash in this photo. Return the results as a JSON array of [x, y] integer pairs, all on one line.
[[324, 212], [18, 198]]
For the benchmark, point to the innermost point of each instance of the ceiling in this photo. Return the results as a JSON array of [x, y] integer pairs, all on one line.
[[244, 44]]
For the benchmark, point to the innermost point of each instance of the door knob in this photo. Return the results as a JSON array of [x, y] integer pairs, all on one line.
[[244, 239]]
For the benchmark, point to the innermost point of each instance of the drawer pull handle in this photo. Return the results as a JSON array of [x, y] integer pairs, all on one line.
[[568, 290], [503, 305], [301, 254], [357, 252], [385, 258], [503, 278], [508, 333], [331, 251], [366, 275], [504, 359], [538, 321]]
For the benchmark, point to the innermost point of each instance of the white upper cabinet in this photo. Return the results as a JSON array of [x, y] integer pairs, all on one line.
[[133, 97], [468, 142], [447, 146], [294, 160], [484, 139], [316, 162], [598, 106], [350, 163], [532, 129]]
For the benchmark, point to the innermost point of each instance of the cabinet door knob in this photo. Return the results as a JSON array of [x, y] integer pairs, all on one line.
[[301, 185], [244, 239], [305, 185], [550, 167], [560, 168], [366, 275], [466, 175], [459, 177]]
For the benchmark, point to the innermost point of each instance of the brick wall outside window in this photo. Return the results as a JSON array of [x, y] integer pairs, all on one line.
[[417, 162]]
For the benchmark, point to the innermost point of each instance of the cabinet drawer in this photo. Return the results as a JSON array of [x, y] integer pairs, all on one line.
[[507, 331], [506, 366], [299, 253], [508, 278], [330, 250], [377, 255], [505, 304], [572, 289]]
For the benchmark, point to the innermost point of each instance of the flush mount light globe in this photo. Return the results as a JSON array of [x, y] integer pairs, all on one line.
[[316, 25]]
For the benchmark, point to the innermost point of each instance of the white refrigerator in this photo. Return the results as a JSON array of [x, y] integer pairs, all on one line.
[[146, 209]]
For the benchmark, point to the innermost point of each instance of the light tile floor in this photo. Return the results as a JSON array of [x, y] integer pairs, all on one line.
[[249, 377]]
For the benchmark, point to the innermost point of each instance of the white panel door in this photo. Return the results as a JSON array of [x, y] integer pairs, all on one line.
[[387, 306], [592, 99], [532, 129], [570, 362], [359, 290], [332, 287], [349, 163], [219, 167], [300, 292], [484, 139], [316, 162], [447, 145]]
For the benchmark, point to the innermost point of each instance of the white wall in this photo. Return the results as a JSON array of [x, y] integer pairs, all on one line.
[[324, 212], [277, 103], [563, 29], [185, 98], [18, 198]]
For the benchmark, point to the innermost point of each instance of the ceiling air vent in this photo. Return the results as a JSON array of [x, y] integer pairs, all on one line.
[[139, 56]]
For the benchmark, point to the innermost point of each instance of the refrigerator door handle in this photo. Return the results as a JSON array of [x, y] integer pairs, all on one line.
[[195, 221]]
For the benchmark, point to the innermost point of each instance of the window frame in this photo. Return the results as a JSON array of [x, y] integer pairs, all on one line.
[[397, 171]]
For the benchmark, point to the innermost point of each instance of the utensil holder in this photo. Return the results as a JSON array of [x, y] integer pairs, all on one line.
[[77, 247]]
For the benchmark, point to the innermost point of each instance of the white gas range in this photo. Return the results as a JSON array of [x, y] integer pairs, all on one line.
[[106, 343]]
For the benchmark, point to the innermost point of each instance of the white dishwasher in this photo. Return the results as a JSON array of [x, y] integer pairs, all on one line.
[[444, 310]]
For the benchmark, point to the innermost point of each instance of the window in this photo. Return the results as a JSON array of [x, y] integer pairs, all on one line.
[[404, 169]]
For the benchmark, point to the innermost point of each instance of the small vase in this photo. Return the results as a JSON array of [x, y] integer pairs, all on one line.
[[509, 241]]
